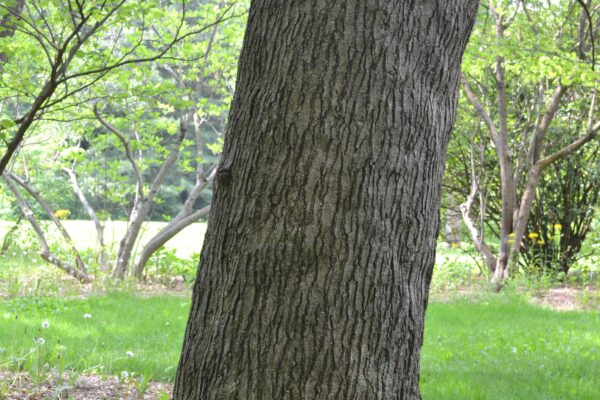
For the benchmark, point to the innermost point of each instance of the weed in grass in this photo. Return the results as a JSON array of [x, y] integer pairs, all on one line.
[[150, 329], [589, 299]]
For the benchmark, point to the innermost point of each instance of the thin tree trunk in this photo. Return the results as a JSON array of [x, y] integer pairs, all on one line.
[[453, 225], [100, 248], [50, 212], [45, 252], [167, 233], [10, 15], [184, 218], [143, 201], [315, 271], [8, 238]]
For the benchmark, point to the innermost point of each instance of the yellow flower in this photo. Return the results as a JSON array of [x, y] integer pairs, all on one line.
[[511, 241], [455, 245], [533, 235], [62, 214], [512, 235], [558, 227], [540, 242]]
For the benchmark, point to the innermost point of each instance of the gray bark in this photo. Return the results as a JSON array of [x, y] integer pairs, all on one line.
[[183, 219], [100, 248], [10, 12], [143, 201], [186, 215], [50, 213], [45, 252], [453, 225], [315, 270]]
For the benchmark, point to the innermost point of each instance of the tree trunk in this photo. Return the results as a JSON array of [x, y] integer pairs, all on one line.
[[50, 212], [100, 248], [453, 225], [45, 252], [11, 12], [127, 243], [167, 233], [183, 219], [315, 270]]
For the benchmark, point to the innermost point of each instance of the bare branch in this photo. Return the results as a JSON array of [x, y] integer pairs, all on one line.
[[537, 142], [128, 152], [44, 248], [50, 212], [474, 100], [574, 146]]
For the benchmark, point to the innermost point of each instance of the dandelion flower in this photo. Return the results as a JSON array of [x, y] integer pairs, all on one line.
[[533, 235], [540, 242], [558, 227], [41, 340], [45, 324], [87, 316], [512, 235], [62, 214], [129, 354]]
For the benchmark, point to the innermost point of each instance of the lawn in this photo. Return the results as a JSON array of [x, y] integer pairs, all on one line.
[[499, 347], [107, 334], [504, 348]]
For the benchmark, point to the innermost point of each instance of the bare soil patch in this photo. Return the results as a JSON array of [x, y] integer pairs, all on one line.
[[569, 299], [18, 386]]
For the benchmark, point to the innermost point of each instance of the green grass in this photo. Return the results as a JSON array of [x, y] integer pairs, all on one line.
[[503, 348], [151, 328], [497, 348]]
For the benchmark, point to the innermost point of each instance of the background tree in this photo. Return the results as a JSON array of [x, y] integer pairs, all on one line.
[[65, 42], [165, 112], [521, 73], [316, 266]]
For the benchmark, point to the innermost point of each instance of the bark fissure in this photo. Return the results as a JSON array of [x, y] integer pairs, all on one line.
[[316, 266]]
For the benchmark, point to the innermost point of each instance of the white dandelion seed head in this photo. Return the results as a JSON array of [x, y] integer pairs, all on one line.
[[87, 316], [124, 374], [41, 340], [45, 324], [129, 354]]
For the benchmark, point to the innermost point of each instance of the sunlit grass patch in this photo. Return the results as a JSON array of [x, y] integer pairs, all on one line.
[[107, 334], [504, 348], [484, 347]]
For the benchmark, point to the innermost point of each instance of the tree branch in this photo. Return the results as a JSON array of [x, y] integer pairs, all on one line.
[[128, 152], [474, 100]]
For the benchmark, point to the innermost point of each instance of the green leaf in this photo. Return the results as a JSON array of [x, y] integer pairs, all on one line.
[[6, 123]]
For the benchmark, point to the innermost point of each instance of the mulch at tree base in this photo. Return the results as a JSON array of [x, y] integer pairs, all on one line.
[[18, 386]]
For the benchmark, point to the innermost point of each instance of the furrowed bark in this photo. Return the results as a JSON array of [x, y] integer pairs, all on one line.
[[314, 275]]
